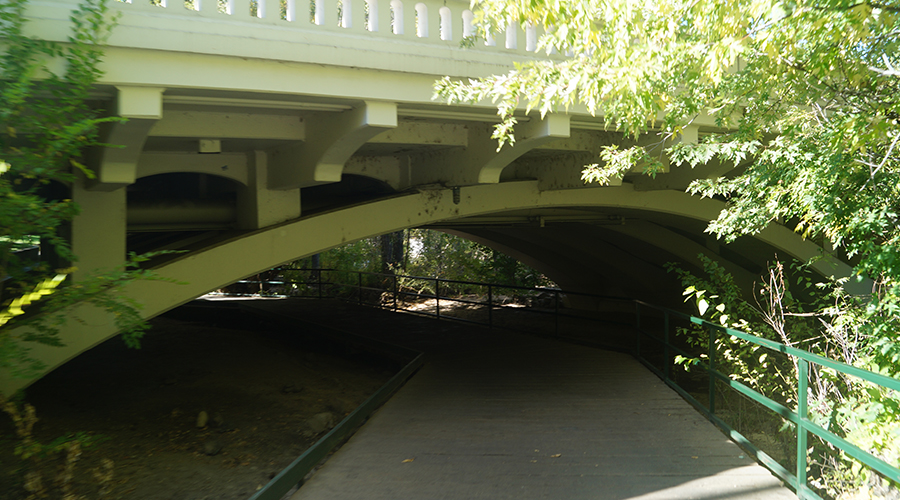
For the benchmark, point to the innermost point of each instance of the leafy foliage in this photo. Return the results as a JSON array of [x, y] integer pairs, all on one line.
[[48, 122], [806, 95], [433, 254], [36, 455], [443, 255], [793, 308], [809, 92]]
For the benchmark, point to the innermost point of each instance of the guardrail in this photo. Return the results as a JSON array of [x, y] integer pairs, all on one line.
[[797, 480], [660, 360], [487, 304]]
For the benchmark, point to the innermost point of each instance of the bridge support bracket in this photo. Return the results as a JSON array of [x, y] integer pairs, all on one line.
[[116, 166], [535, 133], [330, 141]]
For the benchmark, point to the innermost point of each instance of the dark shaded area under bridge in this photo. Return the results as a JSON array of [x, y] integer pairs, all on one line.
[[495, 414]]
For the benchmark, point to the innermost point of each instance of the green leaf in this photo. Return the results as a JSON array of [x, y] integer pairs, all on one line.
[[702, 305]]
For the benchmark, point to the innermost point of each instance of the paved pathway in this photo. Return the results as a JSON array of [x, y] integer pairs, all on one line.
[[497, 415]]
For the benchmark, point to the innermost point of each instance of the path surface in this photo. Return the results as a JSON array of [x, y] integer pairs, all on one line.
[[496, 415]]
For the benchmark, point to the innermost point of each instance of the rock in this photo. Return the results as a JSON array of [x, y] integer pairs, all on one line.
[[212, 447], [217, 421], [202, 419], [320, 422]]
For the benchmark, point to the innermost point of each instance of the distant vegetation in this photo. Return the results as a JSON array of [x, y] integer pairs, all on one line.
[[427, 253]]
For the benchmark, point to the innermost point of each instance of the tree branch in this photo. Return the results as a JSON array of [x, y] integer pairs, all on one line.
[[874, 5]]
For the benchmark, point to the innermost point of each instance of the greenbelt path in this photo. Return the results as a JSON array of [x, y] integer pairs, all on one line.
[[500, 415]]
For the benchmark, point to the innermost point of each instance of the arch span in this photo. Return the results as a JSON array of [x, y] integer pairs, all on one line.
[[249, 253]]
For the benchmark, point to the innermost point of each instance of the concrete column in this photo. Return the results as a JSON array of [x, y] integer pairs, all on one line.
[[259, 206], [98, 232]]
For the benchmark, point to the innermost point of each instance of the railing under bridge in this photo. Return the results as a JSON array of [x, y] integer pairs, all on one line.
[[651, 338], [538, 310]]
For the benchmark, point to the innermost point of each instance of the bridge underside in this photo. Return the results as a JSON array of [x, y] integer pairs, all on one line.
[[612, 240], [249, 152], [220, 201]]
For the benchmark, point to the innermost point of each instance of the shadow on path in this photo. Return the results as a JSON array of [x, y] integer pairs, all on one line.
[[500, 415]]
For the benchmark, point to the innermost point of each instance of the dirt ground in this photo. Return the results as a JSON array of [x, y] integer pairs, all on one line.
[[267, 392]]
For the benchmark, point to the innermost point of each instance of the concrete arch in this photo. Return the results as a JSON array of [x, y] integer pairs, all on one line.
[[211, 268], [228, 165], [588, 263], [247, 254], [627, 259]]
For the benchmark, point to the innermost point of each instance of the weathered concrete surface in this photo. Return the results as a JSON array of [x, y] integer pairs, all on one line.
[[498, 415]]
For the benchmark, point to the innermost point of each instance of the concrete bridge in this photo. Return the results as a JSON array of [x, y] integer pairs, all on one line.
[[261, 132]]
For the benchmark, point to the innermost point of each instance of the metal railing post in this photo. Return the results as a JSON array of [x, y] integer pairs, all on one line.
[[802, 436], [319, 279], [712, 366], [395, 291], [637, 322], [667, 370], [490, 305], [437, 298], [556, 313]]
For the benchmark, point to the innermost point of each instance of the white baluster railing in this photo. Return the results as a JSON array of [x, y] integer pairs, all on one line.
[[425, 21]]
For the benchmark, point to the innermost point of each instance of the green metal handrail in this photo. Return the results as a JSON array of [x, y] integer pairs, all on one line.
[[797, 481]]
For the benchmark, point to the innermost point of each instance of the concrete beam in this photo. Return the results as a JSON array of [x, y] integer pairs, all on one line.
[[676, 177], [98, 231], [424, 133], [388, 169], [229, 165], [221, 125], [331, 140], [116, 166], [685, 249], [582, 141], [562, 172]]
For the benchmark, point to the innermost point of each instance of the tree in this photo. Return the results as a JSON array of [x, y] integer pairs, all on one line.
[[392, 252], [48, 121], [807, 93]]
